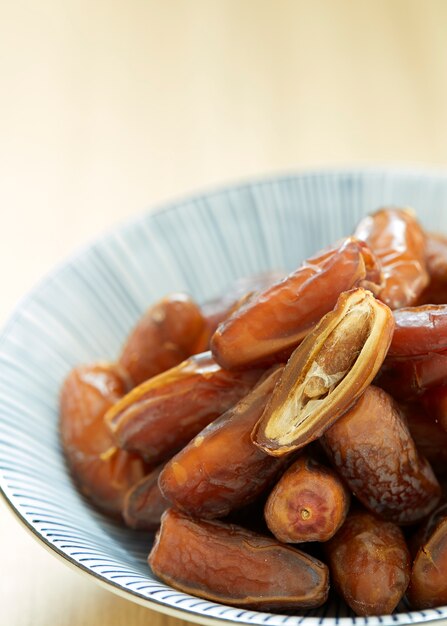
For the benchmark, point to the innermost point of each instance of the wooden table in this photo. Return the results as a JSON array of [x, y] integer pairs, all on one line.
[[109, 107], [37, 588]]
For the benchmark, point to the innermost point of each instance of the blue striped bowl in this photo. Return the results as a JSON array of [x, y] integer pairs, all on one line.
[[84, 309]]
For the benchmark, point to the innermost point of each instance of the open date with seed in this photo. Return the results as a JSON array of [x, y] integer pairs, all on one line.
[[305, 408]]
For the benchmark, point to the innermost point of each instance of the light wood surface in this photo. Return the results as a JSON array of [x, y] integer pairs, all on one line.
[[107, 107]]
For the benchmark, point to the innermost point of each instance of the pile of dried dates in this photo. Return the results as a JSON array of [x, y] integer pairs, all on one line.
[[304, 409]]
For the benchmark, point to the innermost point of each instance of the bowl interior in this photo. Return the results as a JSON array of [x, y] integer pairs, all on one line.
[[83, 311]]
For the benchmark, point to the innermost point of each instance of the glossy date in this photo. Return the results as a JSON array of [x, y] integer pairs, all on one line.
[[144, 503], [419, 331], [309, 503], [240, 291], [428, 584], [228, 564], [221, 469], [160, 416], [168, 333], [436, 259], [397, 239], [409, 377], [271, 324], [373, 451], [369, 564], [103, 472], [326, 373], [429, 437], [435, 403]]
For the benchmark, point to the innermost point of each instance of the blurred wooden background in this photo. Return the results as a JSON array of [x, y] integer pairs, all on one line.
[[108, 107]]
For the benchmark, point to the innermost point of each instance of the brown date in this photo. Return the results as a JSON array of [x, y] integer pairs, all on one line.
[[372, 449], [429, 437], [229, 564], [436, 259], [428, 584], [419, 330], [369, 563], [272, 323], [435, 403], [168, 333], [160, 416], [144, 503], [425, 531], [218, 310], [221, 469], [397, 239], [309, 503], [103, 472], [326, 373], [436, 256], [409, 377]]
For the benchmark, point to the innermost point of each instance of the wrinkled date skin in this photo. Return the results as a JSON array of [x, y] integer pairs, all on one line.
[[160, 416], [218, 310], [409, 377], [397, 239], [428, 585], [271, 324], [372, 449], [326, 373], [144, 503], [369, 564], [309, 503], [429, 437], [103, 472], [221, 469], [229, 564], [169, 332], [419, 331]]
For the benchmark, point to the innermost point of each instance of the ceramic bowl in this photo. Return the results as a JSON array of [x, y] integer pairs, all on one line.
[[84, 309]]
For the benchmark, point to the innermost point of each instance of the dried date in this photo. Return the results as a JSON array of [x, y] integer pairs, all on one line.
[[410, 377], [218, 310], [436, 259], [326, 373], [271, 324], [372, 449], [226, 563], [103, 472], [429, 437], [435, 403], [221, 469], [419, 331], [428, 584], [144, 503], [369, 564], [160, 416], [309, 503], [169, 332], [398, 241]]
